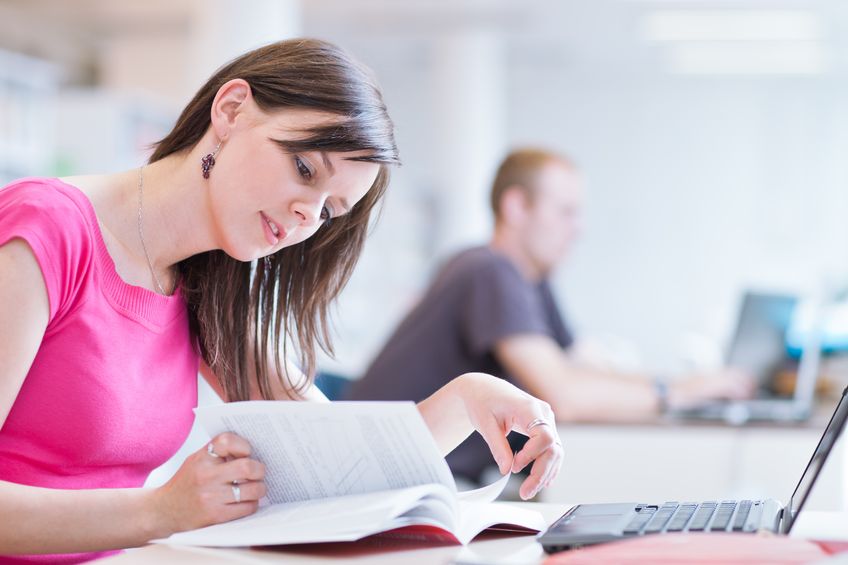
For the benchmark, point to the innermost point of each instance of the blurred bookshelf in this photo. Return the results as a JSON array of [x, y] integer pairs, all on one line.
[[50, 130], [28, 90], [100, 130]]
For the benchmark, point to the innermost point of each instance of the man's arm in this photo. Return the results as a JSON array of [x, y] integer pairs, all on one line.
[[582, 393], [575, 393]]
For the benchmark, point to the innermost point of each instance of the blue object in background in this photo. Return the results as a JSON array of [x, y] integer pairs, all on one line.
[[833, 328], [332, 385]]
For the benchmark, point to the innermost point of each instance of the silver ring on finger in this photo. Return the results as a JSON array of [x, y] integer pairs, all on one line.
[[236, 492], [210, 449], [537, 422]]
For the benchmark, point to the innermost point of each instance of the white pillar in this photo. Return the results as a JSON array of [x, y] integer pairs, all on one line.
[[470, 117], [223, 29]]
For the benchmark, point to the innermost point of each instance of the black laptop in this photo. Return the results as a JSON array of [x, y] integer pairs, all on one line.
[[587, 524]]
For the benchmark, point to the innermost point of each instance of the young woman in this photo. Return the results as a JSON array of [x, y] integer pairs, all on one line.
[[229, 244]]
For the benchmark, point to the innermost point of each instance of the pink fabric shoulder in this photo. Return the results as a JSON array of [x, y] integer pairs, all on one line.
[[51, 222], [110, 392]]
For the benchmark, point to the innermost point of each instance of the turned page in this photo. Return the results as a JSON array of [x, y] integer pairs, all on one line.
[[479, 511], [319, 450]]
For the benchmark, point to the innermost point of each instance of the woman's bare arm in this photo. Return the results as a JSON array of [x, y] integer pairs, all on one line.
[[44, 520], [36, 519]]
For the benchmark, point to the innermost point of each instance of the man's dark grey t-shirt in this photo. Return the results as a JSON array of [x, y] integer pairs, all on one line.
[[478, 298]]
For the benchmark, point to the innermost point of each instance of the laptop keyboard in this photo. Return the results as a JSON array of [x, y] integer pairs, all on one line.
[[728, 515]]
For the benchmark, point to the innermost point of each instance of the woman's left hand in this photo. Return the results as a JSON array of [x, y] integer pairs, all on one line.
[[495, 407]]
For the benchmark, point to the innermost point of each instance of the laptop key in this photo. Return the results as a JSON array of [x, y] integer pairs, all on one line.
[[702, 517], [638, 522], [742, 515], [723, 515], [660, 519], [678, 522]]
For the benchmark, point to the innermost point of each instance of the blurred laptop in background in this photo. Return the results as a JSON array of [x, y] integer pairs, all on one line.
[[785, 382]]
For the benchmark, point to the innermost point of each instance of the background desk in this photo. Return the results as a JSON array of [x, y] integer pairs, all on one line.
[[499, 551], [686, 461]]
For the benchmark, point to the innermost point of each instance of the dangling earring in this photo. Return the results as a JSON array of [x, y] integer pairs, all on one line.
[[207, 162]]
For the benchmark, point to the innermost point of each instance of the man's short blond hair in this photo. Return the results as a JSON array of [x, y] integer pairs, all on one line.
[[521, 168]]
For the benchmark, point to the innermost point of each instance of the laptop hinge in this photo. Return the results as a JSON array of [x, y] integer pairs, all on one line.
[[781, 522]]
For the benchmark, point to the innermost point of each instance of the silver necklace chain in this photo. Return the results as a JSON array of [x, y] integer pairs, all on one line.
[[141, 231]]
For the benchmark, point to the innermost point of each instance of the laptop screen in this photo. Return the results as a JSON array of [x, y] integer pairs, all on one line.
[[759, 342], [828, 439]]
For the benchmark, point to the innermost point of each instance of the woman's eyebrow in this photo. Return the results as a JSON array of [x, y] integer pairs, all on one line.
[[285, 145], [328, 163], [331, 170]]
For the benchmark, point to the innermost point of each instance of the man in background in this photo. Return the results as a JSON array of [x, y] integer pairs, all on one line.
[[490, 309]]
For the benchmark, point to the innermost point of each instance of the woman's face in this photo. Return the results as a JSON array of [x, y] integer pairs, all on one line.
[[263, 199]]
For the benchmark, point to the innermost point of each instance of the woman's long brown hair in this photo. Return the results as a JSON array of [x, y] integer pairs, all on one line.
[[240, 312]]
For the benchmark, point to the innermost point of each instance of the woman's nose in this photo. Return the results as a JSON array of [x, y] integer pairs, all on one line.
[[308, 212]]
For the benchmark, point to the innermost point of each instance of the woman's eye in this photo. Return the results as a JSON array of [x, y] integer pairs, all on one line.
[[302, 169], [325, 214]]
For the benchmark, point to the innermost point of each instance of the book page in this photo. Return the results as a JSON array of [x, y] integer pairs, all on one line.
[[320, 450], [488, 493], [474, 517], [478, 510], [345, 518]]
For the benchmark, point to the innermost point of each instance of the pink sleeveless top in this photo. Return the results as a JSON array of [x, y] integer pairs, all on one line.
[[110, 393]]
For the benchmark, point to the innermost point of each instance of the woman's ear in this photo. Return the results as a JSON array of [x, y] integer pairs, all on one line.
[[229, 103]]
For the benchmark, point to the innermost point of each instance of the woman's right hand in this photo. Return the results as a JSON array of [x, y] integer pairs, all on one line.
[[215, 484]]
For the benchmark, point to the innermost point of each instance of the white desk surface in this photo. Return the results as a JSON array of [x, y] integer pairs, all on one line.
[[499, 550]]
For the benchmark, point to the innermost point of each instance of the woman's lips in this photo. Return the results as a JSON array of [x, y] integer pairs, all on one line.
[[273, 232]]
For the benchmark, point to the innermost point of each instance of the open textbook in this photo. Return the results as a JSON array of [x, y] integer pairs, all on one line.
[[342, 471]]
